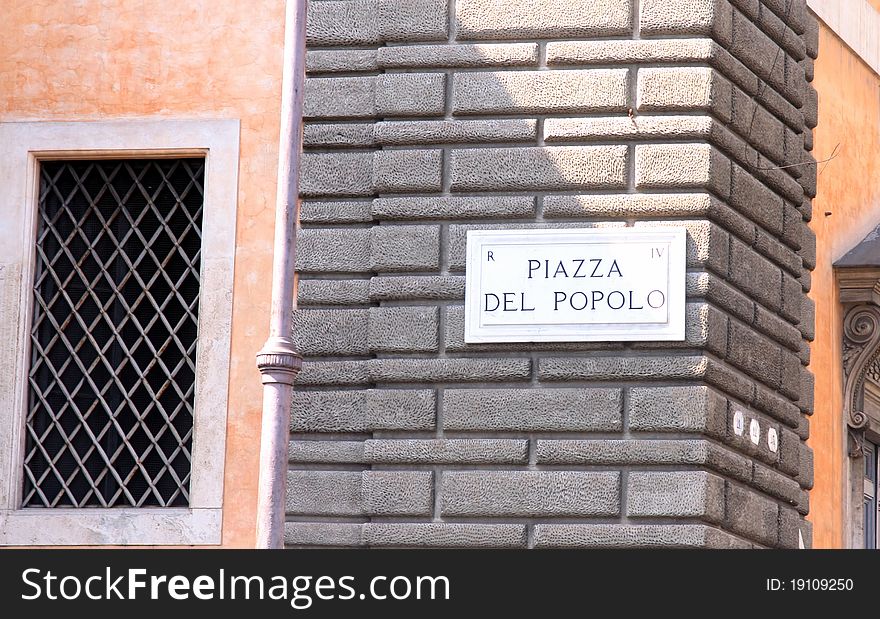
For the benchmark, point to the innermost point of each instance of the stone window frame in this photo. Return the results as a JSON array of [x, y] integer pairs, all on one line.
[[859, 295], [25, 145]]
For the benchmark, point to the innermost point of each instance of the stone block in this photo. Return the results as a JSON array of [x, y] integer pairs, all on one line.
[[540, 92], [532, 410], [678, 409], [458, 56], [515, 19], [443, 535], [405, 248], [403, 171], [363, 410], [675, 89], [424, 132], [553, 168], [326, 333], [530, 494], [446, 451], [410, 94], [406, 287], [403, 329], [634, 536], [675, 494], [751, 515], [336, 174], [680, 17], [682, 166]]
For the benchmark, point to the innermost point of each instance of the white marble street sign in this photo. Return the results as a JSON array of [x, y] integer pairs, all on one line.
[[584, 285]]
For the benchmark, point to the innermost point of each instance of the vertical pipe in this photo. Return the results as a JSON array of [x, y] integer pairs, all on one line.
[[278, 361]]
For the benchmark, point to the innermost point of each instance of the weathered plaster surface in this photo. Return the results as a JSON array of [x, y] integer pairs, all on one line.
[[846, 208], [102, 59]]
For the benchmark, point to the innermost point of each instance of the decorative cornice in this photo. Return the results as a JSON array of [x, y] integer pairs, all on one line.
[[858, 284]]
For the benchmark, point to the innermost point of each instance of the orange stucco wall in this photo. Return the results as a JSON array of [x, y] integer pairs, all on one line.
[[89, 59], [846, 209]]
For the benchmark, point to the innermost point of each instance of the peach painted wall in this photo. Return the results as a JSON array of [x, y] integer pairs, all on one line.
[[105, 59], [846, 209]]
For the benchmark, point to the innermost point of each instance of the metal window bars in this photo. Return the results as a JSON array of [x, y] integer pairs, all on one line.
[[113, 338]]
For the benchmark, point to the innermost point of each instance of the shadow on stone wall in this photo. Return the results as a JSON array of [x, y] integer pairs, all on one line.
[[422, 126]]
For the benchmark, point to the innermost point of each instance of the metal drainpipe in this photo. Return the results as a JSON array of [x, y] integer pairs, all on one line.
[[278, 361]]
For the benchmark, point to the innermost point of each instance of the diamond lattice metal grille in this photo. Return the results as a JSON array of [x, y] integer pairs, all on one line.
[[113, 339]]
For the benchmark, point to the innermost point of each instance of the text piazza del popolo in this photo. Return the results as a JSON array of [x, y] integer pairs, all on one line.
[[575, 285]]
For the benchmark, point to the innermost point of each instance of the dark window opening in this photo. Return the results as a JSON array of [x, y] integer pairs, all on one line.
[[113, 339], [870, 504]]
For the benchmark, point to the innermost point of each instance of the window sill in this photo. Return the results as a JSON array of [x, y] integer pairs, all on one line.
[[100, 527]]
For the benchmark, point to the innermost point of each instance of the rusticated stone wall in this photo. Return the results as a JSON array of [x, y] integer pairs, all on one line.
[[428, 118]]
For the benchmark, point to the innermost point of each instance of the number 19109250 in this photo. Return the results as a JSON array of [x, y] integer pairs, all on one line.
[[810, 584]]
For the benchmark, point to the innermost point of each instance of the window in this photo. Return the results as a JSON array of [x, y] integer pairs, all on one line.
[[116, 260], [113, 337], [870, 505], [858, 277]]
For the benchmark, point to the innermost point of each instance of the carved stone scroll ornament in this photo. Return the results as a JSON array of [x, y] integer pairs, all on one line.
[[861, 348]]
